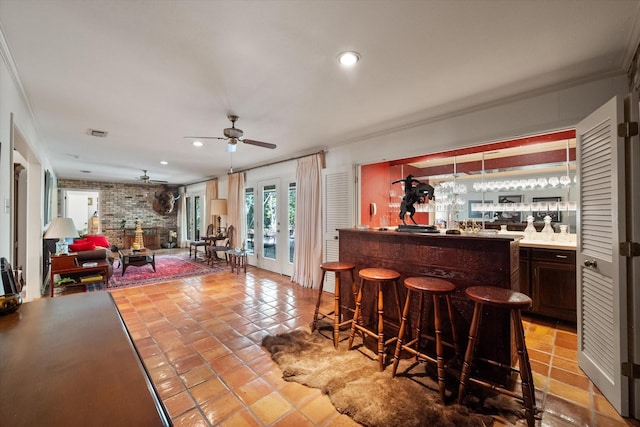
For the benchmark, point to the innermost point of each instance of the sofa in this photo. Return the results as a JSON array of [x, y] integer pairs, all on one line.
[[93, 248]]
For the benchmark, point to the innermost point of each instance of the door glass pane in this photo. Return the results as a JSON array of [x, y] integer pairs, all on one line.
[[196, 217], [270, 221], [292, 218], [249, 204], [189, 220]]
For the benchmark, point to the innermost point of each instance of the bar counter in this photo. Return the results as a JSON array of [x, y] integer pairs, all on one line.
[[465, 260]]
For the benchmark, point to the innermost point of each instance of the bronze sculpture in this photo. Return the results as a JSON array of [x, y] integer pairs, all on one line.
[[412, 194]]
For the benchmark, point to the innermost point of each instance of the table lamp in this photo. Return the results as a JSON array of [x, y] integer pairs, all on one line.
[[61, 228], [219, 208]]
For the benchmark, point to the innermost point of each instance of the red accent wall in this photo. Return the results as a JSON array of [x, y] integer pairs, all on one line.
[[374, 188]]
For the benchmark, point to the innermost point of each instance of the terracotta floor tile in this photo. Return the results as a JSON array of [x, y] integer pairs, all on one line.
[[345, 421], [226, 363], [253, 391], [243, 418], [565, 353], [209, 330], [298, 394], [197, 375], [238, 376], [169, 387], [188, 363], [179, 404], [192, 418], [319, 409], [221, 408], [567, 365], [294, 419], [569, 393], [570, 378], [208, 390], [270, 408], [162, 373]]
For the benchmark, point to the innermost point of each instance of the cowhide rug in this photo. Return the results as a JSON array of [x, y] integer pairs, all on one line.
[[356, 388]]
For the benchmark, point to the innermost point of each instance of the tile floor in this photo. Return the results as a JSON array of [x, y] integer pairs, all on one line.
[[200, 340]]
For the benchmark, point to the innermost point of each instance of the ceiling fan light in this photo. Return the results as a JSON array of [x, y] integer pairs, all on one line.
[[348, 59], [231, 147], [197, 143]]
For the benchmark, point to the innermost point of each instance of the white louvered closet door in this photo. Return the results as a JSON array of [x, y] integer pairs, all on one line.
[[338, 202], [601, 271]]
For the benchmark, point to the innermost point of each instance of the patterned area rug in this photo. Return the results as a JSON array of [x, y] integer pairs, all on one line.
[[168, 267]]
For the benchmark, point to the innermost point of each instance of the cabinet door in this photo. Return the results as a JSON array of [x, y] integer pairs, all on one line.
[[554, 289], [525, 272]]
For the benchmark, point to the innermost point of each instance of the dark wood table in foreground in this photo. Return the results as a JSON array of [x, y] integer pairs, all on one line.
[[69, 361]]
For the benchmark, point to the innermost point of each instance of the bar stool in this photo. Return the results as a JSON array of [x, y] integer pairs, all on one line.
[[436, 288], [514, 302], [381, 277], [337, 268]]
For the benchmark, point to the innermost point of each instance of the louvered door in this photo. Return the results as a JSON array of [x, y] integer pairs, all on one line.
[[601, 272], [337, 195]]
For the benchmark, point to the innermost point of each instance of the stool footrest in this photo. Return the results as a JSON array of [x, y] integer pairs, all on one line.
[[496, 387]]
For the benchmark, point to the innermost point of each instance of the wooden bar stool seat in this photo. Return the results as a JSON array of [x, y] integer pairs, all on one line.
[[381, 277], [337, 268], [436, 288], [514, 302]]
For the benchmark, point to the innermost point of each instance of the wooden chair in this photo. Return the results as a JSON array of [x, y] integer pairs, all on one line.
[[220, 245], [203, 242]]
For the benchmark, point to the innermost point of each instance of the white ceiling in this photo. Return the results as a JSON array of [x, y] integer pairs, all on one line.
[[153, 71]]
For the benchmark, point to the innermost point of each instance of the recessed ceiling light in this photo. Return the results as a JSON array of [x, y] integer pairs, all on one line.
[[197, 144], [348, 59], [164, 162]]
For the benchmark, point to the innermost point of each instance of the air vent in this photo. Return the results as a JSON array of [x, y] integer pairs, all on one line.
[[97, 133]]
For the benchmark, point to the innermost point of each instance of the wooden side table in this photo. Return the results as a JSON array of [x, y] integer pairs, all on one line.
[[68, 265], [238, 260]]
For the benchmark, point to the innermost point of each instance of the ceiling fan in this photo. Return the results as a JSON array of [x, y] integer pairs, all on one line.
[[232, 135], [147, 179]]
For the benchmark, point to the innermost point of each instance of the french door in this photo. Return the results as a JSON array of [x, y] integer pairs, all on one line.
[[194, 216], [270, 209]]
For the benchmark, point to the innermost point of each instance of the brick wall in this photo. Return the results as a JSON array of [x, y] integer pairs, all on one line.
[[124, 202]]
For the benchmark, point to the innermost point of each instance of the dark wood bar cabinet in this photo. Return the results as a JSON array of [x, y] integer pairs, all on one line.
[[465, 260]]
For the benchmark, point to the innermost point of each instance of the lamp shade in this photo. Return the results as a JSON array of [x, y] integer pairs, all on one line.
[[219, 207], [61, 228]]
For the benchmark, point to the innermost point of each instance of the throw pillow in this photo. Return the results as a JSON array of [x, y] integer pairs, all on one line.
[[82, 246], [98, 241]]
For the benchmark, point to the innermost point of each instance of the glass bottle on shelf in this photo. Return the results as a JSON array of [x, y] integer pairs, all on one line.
[[547, 231], [530, 231]]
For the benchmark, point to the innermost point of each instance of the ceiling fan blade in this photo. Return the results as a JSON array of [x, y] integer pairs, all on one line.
[[259, 143], [205, 137]]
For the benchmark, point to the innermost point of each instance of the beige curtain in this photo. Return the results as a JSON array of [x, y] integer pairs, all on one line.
[[210, 193], [307, 255], [235, 208]]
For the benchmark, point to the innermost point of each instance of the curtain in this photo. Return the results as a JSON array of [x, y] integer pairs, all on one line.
[[235, 208], [210, 193], [307, 255], [182, 218]]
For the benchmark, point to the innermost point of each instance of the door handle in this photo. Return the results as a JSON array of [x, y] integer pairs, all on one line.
[[591, 263], [335, 237]]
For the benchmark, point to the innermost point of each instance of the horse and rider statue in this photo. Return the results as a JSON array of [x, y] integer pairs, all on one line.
[[419, 193]]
